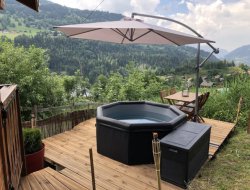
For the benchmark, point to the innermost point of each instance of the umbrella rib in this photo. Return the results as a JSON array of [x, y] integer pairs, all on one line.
[[84, 32], [121, 34], [132, 33], [142, 35], [165, 37], [124, 35]]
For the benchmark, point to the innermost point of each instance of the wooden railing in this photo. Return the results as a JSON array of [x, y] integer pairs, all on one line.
[[61, 122], [43, 113], [248, 127], [11, 142]]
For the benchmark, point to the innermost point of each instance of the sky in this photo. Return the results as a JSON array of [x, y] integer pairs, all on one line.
[[227, 22]]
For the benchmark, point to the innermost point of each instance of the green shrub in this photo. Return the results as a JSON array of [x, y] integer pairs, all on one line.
[[32, 140], [223, 105]]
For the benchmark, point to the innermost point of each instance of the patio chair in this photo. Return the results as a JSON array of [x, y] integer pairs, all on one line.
[[166, 92], [190, 108], [163, 93], [172, 91]]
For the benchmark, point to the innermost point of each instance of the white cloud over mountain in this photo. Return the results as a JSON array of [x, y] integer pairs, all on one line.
[[226, 22]]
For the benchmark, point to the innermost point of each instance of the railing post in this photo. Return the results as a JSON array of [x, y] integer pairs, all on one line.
[[248, 127], [20, 132], [33, 120], [35, 110], [92, 169]]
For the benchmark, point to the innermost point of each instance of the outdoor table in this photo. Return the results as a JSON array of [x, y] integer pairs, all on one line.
[[185, 100]]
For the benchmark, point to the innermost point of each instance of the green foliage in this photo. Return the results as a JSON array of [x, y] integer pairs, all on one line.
[[230, 169], [94, 58], [75, 86], [136, 84], [32, 139], [223, 105], [27, 67]]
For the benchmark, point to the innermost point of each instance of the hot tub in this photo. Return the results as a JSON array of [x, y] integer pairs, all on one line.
[[124, 129]]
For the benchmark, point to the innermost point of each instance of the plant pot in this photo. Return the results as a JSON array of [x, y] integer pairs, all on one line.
[[35, 161]]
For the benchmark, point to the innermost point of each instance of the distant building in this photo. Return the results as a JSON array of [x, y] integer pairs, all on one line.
[[190, 82], [217, 77], [207, 84]]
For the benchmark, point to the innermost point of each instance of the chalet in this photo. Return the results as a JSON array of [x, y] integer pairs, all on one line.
[[207, 84]]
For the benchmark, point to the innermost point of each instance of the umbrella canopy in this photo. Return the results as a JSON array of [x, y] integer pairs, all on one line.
[[129, 31]]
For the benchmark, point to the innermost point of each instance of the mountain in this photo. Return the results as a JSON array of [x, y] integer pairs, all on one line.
[[240, 55], [19, 18], [92, 58], [222, 52]]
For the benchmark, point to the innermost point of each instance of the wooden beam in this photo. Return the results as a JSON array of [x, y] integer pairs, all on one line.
[[2, 4], [33, 4]]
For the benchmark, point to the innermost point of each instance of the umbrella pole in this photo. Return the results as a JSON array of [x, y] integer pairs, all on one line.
[[157, 157], [197, 82]]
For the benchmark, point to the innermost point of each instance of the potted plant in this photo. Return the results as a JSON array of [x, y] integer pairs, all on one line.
[[34, 149]]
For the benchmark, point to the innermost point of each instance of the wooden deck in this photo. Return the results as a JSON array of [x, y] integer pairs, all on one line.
[[219, 132], [70, 151]]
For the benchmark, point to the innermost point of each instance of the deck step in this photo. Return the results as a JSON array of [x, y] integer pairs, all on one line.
[[49, 179], [219, 133]]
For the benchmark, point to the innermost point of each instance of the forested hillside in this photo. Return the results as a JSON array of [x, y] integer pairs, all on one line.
[[95, 58], [240, 55]]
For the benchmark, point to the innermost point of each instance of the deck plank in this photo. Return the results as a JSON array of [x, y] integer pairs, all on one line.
[[219, 133], [45, 184], [33, 182], [49, 179], [25, 184], [80, 179]]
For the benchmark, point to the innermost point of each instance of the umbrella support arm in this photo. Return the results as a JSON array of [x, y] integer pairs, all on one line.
[[198, 64], [215, 50], [205, 60]]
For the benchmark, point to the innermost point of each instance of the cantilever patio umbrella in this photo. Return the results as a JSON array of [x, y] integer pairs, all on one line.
[[134, 31], [129, 31]]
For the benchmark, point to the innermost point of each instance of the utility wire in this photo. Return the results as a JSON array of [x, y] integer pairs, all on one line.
[[93, 11]]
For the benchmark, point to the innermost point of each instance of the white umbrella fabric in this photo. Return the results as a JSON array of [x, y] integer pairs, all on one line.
[[129, 31]]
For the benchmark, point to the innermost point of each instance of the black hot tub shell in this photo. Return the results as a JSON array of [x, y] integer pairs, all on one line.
[[124, 129]]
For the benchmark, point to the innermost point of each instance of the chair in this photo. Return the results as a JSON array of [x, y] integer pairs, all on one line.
[[172, 91], [164, 93], [190, 108]]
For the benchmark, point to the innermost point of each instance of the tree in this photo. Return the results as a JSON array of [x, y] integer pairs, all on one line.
[[136, 84], [28, 68], [243, 67]]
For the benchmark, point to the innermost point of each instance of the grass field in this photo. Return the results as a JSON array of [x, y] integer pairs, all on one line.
[[26, 31], [230, 170]]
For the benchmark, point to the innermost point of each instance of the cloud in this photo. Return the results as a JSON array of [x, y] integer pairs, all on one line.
[[117, 6], [226, 23], [181, 2]]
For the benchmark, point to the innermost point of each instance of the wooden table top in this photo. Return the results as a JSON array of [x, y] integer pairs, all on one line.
[[178, 97]]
